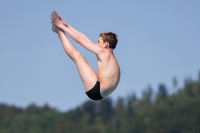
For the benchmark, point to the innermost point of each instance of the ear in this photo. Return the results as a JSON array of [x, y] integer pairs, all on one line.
[[106, 45]]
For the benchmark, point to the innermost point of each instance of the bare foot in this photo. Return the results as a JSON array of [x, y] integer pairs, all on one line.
[[54, 28], [54, 14]]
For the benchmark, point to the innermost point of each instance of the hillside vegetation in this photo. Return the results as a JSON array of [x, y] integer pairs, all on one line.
[[163, 113]]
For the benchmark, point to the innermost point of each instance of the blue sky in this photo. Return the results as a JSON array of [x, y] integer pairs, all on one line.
[[157, 41]]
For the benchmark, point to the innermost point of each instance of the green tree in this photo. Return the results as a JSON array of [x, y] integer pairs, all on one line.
[[162, 93], [175, 82], [119, 106], [147, 96], [199, 75], [106, 109], [32, 109], [90, 107]]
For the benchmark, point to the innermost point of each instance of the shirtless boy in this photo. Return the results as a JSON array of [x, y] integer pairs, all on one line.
[[97, 86]]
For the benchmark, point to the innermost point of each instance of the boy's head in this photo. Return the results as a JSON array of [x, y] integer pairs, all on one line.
[[109, 37]]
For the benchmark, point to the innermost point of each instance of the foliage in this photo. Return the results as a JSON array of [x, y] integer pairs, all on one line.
[[177, 113]]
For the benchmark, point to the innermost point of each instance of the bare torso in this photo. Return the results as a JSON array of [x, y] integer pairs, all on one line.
[[108, 72]]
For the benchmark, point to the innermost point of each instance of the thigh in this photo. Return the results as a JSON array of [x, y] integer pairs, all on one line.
[[86, 72]]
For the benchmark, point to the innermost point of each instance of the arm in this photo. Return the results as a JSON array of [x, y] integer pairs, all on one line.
[[77, 32], [74, 34], [81, 39]]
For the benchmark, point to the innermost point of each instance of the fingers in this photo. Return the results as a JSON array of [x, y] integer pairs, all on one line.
[[54, 16], [56, 19]]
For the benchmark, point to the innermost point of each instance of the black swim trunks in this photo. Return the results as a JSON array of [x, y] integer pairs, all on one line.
[[94, 93]]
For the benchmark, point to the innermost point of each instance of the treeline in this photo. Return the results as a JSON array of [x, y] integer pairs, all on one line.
[[160, 113]]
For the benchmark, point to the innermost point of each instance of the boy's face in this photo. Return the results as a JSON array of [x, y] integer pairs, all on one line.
[[102, 44]]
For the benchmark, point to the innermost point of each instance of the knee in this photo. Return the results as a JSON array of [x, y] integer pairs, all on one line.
[[77, 57]]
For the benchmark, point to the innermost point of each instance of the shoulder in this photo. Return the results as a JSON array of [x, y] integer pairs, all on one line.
[[104, 55], [98, 50]]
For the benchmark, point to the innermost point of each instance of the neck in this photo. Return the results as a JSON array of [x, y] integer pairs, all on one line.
[[110, 50]]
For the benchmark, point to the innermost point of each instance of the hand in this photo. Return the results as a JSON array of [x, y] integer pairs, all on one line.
[[58, 23]]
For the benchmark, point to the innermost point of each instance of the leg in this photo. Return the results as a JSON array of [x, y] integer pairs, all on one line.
[[86, 72]]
